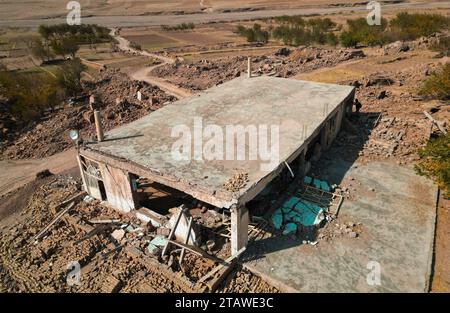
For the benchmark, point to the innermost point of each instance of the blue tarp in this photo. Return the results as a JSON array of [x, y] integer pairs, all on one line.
[[296, 211], [317, 183]]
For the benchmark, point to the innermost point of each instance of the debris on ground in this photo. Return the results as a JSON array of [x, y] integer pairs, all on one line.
[[237, 182], [109, 247], [116, 98], [208, 73]]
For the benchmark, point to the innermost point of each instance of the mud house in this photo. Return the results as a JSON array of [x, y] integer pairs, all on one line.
[[134, 169]]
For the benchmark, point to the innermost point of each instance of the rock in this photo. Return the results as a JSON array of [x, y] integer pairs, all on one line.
[[355, 53], [163, 231], [379, 80], [118, 234], [43, 174], [283, 52], [382, 95], [352, 234]]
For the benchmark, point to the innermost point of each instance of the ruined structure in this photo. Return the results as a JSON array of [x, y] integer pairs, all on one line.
[[136, 163]]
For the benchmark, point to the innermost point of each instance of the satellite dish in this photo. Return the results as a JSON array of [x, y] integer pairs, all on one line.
[[73, 134]]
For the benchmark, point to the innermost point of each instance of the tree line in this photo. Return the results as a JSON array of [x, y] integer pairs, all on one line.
[[295, 30], [64, 40]]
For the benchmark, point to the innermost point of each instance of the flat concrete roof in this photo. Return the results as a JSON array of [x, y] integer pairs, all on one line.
[[297, 107]]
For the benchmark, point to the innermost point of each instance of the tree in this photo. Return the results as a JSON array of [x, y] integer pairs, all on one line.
[[435, 161], [69, 76], [65, 46], [331, 39], [45, 32], [438, 85], [349, 39], [39, 51]]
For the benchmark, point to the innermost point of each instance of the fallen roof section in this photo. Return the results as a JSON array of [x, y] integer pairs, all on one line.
[[297, 107]]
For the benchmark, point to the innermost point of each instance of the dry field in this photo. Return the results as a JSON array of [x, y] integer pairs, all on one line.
[[56, 8]]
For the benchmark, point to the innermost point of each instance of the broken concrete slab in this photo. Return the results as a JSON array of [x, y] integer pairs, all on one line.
[[398, 221], [118, 234]]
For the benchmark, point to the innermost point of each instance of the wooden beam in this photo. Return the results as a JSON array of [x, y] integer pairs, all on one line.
[[188, 235], [196, 251], [435, 122], [222, 269], [55, 219], [172, 232]]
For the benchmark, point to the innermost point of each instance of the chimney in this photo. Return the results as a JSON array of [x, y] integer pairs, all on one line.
[[249, 67], [98, 126]]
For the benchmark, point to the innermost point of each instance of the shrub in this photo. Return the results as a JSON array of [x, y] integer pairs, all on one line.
[[412, 26], [29, 94], [438, 85], [435, 161], [135, 45], [182, 26], [349, 39], [254, 34], [443, 46], [359, 31]]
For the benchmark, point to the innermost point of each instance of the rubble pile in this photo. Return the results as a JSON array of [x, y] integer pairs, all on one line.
[[110, 249], [118, 104], [207, 73], [246, 282], [237, 182], [339, 228]]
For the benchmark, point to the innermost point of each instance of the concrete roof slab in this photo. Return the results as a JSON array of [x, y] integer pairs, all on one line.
[[298, 108]]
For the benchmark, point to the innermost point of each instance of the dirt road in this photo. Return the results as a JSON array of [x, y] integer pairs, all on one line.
[[174, 19], [16, 173], [144, 73]]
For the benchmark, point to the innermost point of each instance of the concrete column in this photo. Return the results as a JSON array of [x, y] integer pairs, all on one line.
[[239, 228]]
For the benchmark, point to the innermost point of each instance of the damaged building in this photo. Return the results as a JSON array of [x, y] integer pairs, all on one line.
[[133, 167]]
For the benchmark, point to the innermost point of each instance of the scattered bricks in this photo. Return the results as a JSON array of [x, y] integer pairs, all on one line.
[[163, 231], [237, 182], [111, 285], [118, 234]]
